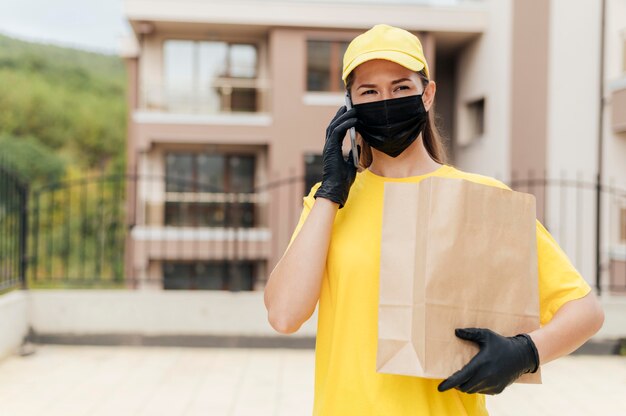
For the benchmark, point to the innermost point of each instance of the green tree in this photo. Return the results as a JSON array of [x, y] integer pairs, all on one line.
[[33, 161], [71, 101]]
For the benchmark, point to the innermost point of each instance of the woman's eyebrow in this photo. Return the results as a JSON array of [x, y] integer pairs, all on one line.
[[399, 80]]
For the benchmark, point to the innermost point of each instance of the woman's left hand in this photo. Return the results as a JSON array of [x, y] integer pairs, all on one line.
[[500, 361]]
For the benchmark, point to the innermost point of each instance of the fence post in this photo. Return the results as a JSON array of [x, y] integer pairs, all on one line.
[[23, 234]]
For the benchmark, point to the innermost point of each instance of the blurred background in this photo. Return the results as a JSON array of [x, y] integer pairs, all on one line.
[[154, 155]]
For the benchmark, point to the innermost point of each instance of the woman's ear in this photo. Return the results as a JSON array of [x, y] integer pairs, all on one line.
[[428, 97]]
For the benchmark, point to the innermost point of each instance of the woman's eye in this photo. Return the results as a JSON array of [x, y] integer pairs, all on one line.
[[401, 87], [368, 92]]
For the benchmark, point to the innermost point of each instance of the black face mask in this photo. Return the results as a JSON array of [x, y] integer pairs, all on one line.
[[391, 125]]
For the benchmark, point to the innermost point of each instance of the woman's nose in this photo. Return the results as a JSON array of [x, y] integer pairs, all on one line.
[[385, 95]]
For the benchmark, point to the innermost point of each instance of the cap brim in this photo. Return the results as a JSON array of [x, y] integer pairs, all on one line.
[[399, 58]]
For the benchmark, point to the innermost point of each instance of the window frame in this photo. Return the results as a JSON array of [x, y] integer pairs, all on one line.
[[227, 155], [245, 209], [308, 182], [335, 56], [229, 41], [223, 264]]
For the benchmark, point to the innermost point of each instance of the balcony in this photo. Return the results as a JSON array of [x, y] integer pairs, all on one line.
[[223, 96], [205, 77], [203, 225]]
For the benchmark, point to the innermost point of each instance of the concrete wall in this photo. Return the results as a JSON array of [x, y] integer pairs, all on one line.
[[529, 89], [614, 318], [13, 321], [176, 316], [150, 313], [572, 125], [181, 318], [614, 144], [573, 70], [484, 71]]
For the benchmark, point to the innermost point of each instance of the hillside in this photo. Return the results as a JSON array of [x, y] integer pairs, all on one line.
[[62, 107]]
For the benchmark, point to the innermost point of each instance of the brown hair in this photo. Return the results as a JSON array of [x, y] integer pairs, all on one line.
[[433, 141]]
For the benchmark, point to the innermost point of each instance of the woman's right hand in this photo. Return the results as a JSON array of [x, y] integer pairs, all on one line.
[[338, 174], [293, 289]]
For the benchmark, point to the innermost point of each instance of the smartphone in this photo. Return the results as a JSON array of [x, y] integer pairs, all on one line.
[[355, 152]]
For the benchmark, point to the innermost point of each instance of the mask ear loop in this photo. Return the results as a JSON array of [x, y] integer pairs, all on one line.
[[424, 78]]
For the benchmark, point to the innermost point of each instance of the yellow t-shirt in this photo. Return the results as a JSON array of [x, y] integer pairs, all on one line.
[[346, 381]]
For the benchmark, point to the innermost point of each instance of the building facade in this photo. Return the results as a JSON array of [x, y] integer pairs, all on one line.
[[229, 102]]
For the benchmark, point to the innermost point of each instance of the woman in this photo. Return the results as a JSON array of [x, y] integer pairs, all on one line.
[[334, 253]]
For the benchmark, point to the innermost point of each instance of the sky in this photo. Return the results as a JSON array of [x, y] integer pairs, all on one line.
[[96, 25]]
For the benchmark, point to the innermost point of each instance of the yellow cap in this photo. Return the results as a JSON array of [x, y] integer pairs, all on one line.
[[385, 42]]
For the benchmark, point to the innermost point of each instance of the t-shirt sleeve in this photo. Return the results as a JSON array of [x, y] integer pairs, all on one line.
[[307, 204], [559, 281]]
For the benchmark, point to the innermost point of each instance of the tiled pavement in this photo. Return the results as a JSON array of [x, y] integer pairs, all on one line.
[[97, 381]]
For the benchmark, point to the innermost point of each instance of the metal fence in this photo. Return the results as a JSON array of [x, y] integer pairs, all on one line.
[[176, 233], [77, 233], [13, 229], [568, 207], [179, 233]]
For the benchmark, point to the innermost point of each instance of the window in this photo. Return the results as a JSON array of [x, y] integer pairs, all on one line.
[[476, 118], [211, 179], [312, 171], [471, 125], [211, 275], [203, 76], [324, 64]]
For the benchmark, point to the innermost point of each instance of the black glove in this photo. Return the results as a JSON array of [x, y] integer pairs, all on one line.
[[500, 361], [338, 174]]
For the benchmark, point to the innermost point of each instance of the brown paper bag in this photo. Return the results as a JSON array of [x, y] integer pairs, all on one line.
[[454, 254]]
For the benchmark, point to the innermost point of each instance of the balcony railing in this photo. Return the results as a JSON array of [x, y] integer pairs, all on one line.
[[224, 95]]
